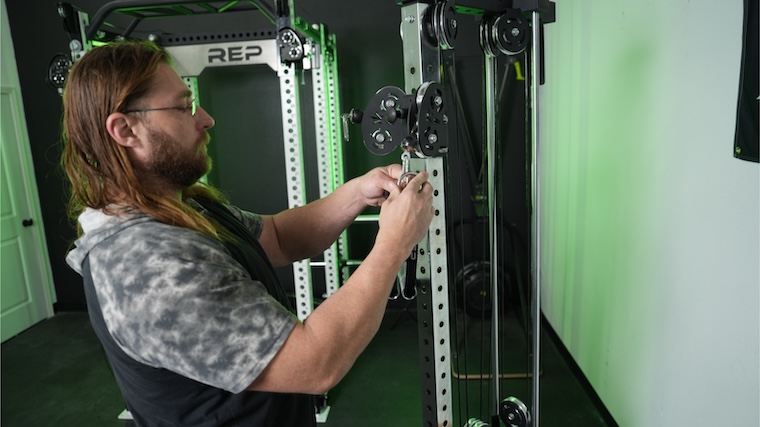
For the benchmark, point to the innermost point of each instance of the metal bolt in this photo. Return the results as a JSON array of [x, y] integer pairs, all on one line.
[[438, 100], [390, 103], [409, 19], [432, 138], [380, 138], [515, 32]]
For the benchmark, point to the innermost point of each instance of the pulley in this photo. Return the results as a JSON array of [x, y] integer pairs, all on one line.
[[58, 70], [383, 124], [514, 413], [511, 32], [432, 120], [418, 122], [444, 24], [290, 45], [508, 33]]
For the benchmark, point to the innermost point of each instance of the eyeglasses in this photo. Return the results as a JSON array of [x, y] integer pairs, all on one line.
[[191, 108]]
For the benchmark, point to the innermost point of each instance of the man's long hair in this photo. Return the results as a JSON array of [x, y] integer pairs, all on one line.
[[108, 79]]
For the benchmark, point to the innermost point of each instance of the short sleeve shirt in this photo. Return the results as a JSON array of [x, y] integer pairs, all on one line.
[[176, 299]]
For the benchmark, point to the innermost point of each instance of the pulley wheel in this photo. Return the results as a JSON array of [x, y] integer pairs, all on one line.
[[445, 24], [486, 41], [514, 413], [511, 34], [58, 70], [432, 120], [383, 123]]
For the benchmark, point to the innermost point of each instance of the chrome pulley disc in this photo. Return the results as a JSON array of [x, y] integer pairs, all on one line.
[[508, 33], [511, 33]]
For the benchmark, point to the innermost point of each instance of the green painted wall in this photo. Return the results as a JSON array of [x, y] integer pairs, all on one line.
[[650, 228]]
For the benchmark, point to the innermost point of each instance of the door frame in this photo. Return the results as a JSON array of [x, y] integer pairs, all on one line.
[[9, 83]]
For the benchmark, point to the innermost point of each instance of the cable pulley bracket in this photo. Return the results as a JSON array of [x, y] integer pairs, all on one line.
[[418, 122], [290, 45], [432, 120]]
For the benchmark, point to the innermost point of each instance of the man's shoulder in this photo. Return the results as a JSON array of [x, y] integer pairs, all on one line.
[[149, 229], [137, 232]]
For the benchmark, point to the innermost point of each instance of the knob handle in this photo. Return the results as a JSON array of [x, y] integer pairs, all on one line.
[[356, 116], [27, 222]]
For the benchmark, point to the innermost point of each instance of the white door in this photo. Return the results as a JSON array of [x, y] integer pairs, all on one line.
[[25, 275]]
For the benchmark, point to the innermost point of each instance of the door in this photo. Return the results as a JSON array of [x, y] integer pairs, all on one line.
[[25, 274]]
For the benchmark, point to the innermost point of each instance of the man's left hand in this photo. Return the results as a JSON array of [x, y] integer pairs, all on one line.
[[377, 183]]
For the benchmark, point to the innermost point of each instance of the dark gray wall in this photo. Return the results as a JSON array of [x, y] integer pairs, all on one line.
[[246, 147]]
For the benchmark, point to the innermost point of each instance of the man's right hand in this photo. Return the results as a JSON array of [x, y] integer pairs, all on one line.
[[406, 215]]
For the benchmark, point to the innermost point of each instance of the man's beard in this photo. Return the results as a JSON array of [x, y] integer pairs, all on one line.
[[176, 165]]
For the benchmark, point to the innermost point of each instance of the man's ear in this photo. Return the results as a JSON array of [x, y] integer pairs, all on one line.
[[120, 127]]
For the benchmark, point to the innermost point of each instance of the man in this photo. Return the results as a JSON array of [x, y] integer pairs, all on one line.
[[180, 286]]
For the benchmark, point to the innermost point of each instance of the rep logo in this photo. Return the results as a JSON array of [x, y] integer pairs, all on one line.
[[233, 53]]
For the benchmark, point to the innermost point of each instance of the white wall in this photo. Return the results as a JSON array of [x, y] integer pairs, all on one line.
[[651, 235]]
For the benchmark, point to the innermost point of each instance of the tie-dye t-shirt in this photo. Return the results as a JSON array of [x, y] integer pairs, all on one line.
[[174, 298]]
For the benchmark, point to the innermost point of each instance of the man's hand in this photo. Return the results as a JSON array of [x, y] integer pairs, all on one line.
[[406, 214], [377, 184]]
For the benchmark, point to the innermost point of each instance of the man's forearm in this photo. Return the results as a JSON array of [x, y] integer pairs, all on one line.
[[308, 230]]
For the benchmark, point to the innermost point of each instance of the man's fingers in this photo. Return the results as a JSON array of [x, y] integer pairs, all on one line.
[[419, 182]]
